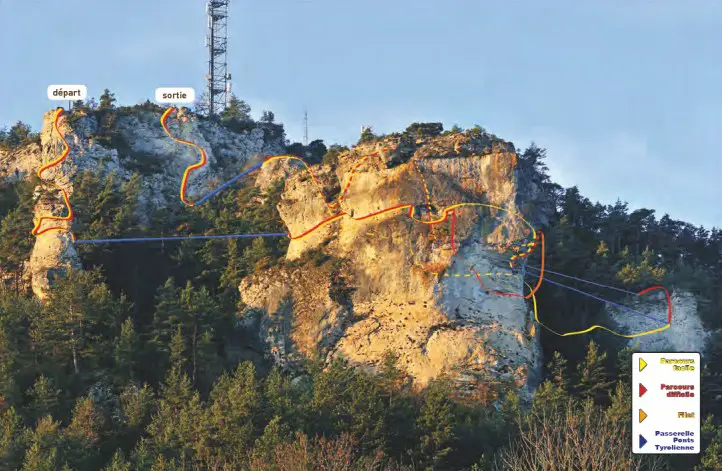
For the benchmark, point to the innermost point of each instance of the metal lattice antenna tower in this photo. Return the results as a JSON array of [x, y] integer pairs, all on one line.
[[218, 78], [305, 128]]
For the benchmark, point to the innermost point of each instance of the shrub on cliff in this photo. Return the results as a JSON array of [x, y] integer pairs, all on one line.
[[19, 134], [424, 130]]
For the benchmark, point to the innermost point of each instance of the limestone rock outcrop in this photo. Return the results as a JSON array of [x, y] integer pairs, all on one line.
[[685, 334], [403, 288], [133, 142]]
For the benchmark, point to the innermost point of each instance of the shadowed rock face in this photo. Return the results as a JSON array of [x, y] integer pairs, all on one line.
[[406, 290], [144, 148], [686, 334]]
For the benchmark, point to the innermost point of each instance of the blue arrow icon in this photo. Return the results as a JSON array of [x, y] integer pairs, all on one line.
[[642, 441]]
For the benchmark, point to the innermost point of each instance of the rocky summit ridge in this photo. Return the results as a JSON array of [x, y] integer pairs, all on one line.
[[396, 284], [360, 278]]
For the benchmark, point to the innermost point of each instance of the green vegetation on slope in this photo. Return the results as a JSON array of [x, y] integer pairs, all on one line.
[[140, 362]]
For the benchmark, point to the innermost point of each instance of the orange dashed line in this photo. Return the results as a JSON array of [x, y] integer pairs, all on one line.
[[330, 206], [353, 171], [333, 204], [478, 277], [426, 189]]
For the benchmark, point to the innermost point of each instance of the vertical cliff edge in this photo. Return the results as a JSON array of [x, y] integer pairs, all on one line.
[[380, 279]]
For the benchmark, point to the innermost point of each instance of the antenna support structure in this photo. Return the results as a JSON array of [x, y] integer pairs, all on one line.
[[218, 80], [305, 128]]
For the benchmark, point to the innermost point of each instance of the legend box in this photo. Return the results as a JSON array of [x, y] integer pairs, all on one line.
[[666, 402]]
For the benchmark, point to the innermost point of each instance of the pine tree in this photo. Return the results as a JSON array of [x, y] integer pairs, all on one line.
[[367, 135], [275, 433], [45, 446], [558, 371], [237, 110], [177, 349], [201, 313], [169, 314], [436, 424], [18, 134], [279, 398], [267, 117], [118, 463], [232, 273], [86, 433], [79, 320], [12, 438], [711, 458], [553, 394], [127, 348], [620, 403], [8, 359], [45, 398], [593, 380], [624, 361], [256, 257], [137, 405], [107, 100], [178, 427], [234, 412], [16, 242], [209, 364]]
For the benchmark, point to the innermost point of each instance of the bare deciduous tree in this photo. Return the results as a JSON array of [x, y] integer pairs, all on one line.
[[576, 438]]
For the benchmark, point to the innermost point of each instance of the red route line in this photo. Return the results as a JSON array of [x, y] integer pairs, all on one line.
[[669, 299], [452, 211], [446, 211], [191, 168], [66, 151], [337, 203], [478, 277], [453, 245], [36, 230]]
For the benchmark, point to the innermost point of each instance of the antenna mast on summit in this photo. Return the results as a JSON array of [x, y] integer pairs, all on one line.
[[218, 79], [305, 128]]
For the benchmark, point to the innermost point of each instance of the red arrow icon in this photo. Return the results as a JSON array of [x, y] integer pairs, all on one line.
[[642, 390]]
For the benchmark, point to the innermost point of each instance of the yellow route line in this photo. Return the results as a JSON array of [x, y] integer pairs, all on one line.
[[589, 329]]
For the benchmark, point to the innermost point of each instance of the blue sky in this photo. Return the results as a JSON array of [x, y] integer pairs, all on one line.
[[626, 95]]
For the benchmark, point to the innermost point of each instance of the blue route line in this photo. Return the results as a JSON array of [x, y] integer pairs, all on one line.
[[546, 270], [171, 238], [547, 280], [198, 203], [227, 184]]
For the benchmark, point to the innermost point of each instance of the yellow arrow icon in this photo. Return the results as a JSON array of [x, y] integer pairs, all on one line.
[[642, 364], [642, 416]]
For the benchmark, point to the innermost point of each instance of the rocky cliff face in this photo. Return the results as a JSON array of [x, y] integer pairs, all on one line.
[[686, 334], [386, 255], [394, 282], [138, 144]]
